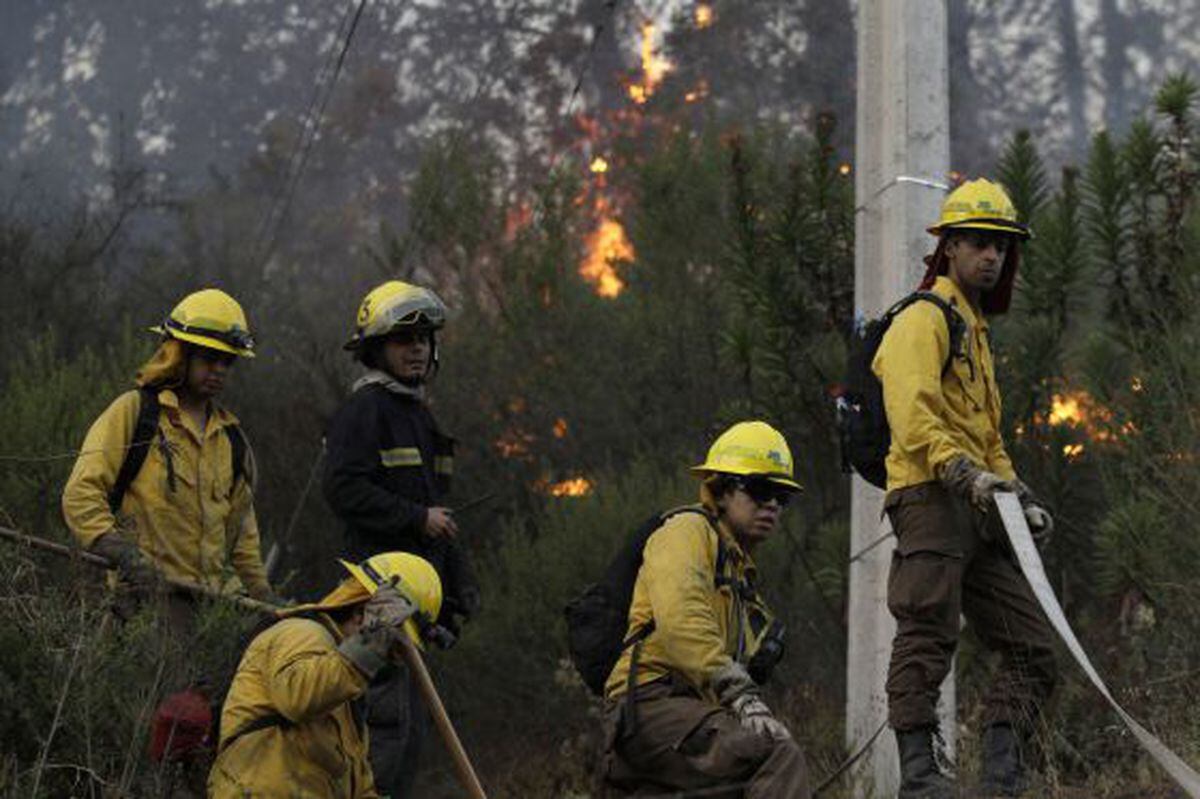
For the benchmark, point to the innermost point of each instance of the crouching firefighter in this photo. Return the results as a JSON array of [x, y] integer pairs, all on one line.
[[387, 473], [163, 486], [684, 710], [291, 725]]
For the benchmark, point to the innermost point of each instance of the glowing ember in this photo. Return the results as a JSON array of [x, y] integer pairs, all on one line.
[[698, 93], [574, 487], [654, 67], [605, 244], [599, 165], [560, 428], [845, 169], [514, 444], [516, 219], [1072, 451], [704, 15]]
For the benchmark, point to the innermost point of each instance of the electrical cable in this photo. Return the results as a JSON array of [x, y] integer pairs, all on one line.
[[305, 148]]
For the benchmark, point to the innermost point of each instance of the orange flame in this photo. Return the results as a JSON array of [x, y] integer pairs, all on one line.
[[573, 487], [703, 15], [654, 67], [605, 244], [599, 165], [1079, 410], [560, 428]]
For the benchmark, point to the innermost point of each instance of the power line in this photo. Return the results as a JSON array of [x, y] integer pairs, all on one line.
[[273, 222]]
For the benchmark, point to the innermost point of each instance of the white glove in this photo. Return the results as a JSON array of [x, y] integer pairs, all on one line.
[[1041, 523], [754, 715], [737, 691]]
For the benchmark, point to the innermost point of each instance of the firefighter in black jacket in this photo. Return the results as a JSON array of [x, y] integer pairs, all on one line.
[[387, 470]]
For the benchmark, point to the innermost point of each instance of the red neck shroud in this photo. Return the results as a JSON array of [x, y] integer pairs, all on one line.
[[992, 302]]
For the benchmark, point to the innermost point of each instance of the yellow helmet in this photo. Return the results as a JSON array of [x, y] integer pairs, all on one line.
[[751, 448], [210, 318], [395, 305], [412, 576], [979, 205]]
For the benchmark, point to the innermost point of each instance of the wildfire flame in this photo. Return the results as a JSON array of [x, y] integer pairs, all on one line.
[[1080, 411], [605, 244], [654, 67], [573, 487], [560, 428], [599, 165], [703, 15]]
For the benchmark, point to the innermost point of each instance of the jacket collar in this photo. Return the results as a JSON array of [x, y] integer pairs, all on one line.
[[947, 288], [378, 377], [218, 416]]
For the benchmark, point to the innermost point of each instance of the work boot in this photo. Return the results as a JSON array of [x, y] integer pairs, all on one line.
[[1003, 765], [920, 777]]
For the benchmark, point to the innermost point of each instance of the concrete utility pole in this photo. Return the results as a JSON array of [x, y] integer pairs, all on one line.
[[902, 152]]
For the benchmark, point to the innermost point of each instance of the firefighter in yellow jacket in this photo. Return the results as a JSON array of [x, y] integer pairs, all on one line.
[[163, 485], [290, 726], [946, 460], [684, 705]]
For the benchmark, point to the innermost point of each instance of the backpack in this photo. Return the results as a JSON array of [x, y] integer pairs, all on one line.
[[861, 416], [145, 430], [598, 618]]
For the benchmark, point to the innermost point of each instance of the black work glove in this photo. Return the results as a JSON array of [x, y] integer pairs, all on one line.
[[132, 566]]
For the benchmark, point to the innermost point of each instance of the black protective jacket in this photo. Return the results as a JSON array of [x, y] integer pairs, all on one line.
[[386, 463]]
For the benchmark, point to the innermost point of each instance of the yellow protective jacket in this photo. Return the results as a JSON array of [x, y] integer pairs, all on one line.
[[202, 529], [294, 669], [932, 416], [699, 626]]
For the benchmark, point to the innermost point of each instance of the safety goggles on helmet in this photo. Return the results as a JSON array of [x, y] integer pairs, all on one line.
[[396, 306], [235, 337], [763, 489]]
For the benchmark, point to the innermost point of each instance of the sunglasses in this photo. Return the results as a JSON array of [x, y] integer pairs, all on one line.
[[763, 490]]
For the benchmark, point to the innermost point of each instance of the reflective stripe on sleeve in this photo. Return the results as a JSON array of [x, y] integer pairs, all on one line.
[[400, 456]]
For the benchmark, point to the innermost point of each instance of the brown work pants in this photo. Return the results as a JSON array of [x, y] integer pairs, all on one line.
[[951, 559], [672, 742]]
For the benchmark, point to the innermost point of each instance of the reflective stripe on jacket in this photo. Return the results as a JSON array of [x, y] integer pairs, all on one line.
[[932, 416], [183, 509], [294, 669], [701, 623], [386, 463]]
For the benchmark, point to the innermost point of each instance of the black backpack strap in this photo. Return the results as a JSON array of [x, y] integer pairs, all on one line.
[[955, 324], [144, 430], [237, 454], [261, 723]]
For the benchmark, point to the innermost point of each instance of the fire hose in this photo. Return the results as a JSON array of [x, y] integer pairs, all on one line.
[[1031, 566], [408, 651]]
